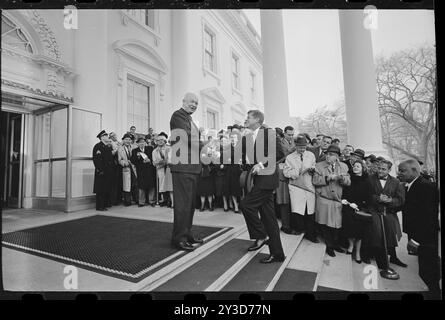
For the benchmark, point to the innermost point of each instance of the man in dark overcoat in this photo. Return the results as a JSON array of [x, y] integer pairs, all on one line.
[[103, 164], [142, 158], [420, 221], [388, 196]]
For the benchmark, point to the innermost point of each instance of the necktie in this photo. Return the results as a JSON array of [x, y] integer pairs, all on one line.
[[301, 157]]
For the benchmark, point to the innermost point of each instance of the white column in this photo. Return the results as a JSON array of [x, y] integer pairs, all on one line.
[[276, 101], [362, 113]]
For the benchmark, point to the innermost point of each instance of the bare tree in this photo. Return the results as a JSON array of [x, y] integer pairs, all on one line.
[[406, 86]]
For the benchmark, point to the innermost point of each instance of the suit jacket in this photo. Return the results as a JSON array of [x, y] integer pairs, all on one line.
[[270, 181], [182, 120], [127, 167], [394, 189], [318, 157], [420, 212]]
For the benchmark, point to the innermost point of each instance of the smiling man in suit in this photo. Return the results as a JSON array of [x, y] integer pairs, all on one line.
[[388, 195], [185, 168], [260, 198], [420, 221]]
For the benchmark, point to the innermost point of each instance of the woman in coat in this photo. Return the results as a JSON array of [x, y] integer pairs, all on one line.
[[206, 183], [129, 176], [160, 161], [232, 188], [358, 194]]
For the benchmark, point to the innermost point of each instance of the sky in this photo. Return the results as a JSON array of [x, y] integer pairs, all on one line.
[[313, 51]]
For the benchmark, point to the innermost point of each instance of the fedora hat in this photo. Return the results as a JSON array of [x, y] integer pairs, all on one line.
[[359, 153], [334, 149], [300, 141]]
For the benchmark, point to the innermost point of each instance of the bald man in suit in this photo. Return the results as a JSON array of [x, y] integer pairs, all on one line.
[[186, 168]]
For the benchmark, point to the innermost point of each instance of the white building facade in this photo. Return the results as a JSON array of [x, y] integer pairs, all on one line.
[[61, 86]]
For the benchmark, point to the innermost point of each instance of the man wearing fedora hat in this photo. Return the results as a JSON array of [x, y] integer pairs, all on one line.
[[329, 178], [103, 164], [299, 167]]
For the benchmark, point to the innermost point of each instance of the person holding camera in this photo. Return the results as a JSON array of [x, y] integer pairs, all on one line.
[[299, 167]]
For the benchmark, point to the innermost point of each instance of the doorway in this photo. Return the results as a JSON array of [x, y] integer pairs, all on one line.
[[12, 128]]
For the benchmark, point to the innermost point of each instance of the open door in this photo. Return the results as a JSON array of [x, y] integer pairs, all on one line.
[[12, 159]]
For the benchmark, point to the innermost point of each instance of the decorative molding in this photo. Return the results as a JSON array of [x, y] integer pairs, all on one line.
[[40, 60], [234, 20], [38, 92], [206, 72], [126, 18], [47, 37], [215, 94], [121, 46]]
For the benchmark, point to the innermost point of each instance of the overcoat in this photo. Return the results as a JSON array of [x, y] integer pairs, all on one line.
[[103, 164]]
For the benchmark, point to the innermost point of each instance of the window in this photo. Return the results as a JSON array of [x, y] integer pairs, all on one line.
[[235, 72], [143, 16], [211, 120], [209, 50], [138, 106], [253, 85], [13, 36]]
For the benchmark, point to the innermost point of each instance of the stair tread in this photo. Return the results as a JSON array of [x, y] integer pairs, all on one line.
[[203, 273], [336, 273], [308, 257]]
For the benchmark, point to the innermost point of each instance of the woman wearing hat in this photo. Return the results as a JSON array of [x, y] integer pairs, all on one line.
[[129, 181], [160, 160], [329, 178], [299, 168]]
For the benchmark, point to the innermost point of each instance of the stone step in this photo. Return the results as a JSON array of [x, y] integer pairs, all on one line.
[[336, 273], [175, 268], [251, 275], [303, 270]]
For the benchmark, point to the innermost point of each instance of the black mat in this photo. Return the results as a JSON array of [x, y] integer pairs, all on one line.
[[202, 274], [119, 247], [296, 280], [255, 276]]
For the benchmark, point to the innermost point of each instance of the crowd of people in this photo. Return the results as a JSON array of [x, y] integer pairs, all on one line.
[[322, 190]]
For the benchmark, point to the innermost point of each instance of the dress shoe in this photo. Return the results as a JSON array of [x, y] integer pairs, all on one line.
[[201, 210], [236, 211], [358, 261], [330, 252], [397, 262], [271, 258], [366, 260], [184, 245], [348, 252], [225, 210], [195, 240], [258, 244], [312, 239], [141, 205], [338, 249], [211, 208], [288, 230]]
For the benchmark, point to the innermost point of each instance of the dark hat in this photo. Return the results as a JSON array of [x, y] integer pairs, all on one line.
[[359, 153], [300, 141], [380, 158], [163, 134], [371, 157], [148, 136], [420, 162], [139, 139], [333, 148], [101, 134], [128, 135]]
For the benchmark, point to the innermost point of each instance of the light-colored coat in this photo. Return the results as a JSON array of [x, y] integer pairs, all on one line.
[[127, 167], [328, 212], [300, 198], [163, 171]]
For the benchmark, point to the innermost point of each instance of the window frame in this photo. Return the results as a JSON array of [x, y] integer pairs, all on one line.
[[149, 87], [207, 28]]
